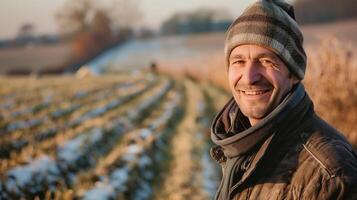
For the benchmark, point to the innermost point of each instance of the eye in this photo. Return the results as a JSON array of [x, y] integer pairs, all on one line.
[[268, 63], [238, 62]]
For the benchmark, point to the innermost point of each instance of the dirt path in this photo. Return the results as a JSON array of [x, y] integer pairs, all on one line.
[[184, 179]]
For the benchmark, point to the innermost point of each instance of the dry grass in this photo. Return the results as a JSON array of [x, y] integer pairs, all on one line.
[[331, 80]]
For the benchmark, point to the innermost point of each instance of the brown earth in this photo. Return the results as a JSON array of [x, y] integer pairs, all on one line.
[[34, 58]]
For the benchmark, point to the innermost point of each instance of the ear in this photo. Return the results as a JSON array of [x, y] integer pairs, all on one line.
[[294, 79]]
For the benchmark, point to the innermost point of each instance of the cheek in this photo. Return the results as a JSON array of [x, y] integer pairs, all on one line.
[[233, 77], [278, 79], [283, 84]]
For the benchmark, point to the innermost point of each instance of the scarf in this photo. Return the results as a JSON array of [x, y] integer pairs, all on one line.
[[244, 145]]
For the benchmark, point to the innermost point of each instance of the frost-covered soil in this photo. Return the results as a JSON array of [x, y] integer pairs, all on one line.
[[120, 138], [187, 176]]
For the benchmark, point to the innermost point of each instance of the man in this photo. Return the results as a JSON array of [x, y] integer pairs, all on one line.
[[269, 141]]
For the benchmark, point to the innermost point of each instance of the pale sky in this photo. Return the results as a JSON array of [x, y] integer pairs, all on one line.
[[41, 13]]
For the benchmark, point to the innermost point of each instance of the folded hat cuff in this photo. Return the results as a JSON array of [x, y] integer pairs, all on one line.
[[267, 42]]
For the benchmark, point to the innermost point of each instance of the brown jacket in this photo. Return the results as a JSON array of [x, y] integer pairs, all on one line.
[[307, 160]]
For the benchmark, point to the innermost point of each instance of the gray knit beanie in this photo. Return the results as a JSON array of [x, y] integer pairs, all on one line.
[[270, 23]]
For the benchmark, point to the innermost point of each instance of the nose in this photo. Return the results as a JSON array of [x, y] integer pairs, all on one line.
[[251, 73]]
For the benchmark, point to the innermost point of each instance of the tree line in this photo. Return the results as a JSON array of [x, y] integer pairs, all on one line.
[[197, 21], [315, 11]]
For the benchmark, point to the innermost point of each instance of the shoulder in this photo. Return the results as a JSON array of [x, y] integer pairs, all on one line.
[[327, 163], [328, 148]]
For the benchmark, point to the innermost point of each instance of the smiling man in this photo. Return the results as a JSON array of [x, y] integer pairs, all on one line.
[[269, 141], [259, 80]]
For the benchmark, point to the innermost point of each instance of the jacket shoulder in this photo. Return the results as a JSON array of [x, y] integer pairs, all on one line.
[[328, 148], [327, 164]]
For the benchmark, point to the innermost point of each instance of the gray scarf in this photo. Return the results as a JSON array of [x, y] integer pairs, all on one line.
[[241, 142]]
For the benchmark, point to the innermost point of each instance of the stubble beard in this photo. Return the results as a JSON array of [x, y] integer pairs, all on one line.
[[254, 109]]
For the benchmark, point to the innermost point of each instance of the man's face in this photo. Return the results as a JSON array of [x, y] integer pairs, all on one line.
[[259, 80]]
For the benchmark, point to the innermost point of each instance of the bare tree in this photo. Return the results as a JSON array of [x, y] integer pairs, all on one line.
[[79, 15], [75, 16], [100, 27], [26, 30]]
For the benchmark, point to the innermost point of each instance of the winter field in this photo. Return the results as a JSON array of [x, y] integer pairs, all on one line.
[[142, 135], [128, 136]]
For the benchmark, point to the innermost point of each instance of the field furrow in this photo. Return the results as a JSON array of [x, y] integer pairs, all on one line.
[[123, 138], [128, 170], [185, 175], [65, 130], [22, 138]]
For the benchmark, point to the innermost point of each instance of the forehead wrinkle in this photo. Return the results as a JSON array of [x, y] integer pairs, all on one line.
[[237, 56], [252, 52], [251, 56]]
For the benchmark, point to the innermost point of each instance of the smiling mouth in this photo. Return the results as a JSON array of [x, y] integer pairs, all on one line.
[[254, 93]]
